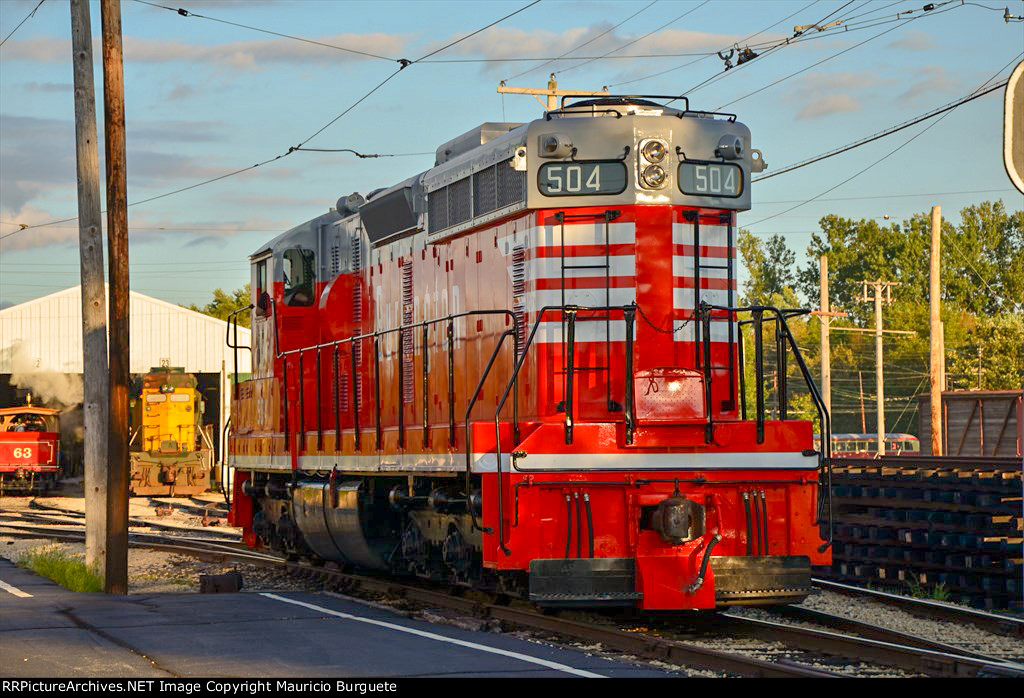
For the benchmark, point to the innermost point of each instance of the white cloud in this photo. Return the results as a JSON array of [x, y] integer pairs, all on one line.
[[826, 106]]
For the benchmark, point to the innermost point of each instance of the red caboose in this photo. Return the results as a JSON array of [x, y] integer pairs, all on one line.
[[29, 448]]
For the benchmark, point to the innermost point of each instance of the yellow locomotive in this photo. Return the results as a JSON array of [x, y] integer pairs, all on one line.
[[170, 452]]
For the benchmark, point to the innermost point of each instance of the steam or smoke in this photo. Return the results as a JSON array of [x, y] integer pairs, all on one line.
[[63, 390]]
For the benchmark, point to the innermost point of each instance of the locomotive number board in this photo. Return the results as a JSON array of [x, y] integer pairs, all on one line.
[[710, 179], [581, 178]]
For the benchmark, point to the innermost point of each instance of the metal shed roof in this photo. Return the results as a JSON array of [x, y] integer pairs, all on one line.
[[45, 334]]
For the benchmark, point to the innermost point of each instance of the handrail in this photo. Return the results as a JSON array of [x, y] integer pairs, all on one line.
[[825, 455], [628, 311], [232, 320], [375, 336], [469, 409]]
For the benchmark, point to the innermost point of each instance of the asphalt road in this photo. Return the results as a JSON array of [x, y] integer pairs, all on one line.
[[48, 632]]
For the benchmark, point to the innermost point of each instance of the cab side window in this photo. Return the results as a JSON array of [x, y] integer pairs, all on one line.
[[298, 266], [262, 290]]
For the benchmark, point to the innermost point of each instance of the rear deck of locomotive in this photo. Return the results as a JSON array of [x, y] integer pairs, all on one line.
[[29, 448], [605, 358]]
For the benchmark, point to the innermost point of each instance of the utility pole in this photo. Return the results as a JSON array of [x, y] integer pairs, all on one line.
[[863, 416], [826, 349], [94, 301], [552, 93], [882, 290], [937, 353], [116, 581]]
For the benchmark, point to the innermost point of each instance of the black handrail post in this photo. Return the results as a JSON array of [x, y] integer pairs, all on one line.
[[425, 353], [302, 406], [780, 360], [629, 315], [376, 388], [284, 403], [355, 397], [743, 372], [759, 371], [319, 403], [401, 386], [337, 403], [451, 381], [705, 319], [569, 371]]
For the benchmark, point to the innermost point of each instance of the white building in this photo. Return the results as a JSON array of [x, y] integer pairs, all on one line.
[[41, 345]]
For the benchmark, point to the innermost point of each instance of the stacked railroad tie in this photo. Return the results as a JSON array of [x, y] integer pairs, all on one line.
[[949, 530]]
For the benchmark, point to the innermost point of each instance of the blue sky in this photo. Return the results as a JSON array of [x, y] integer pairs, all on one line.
[[205, 98]]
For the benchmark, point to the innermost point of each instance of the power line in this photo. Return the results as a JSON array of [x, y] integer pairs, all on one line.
[[891, 152], [678, 67], [30, 14], [634, 41], [887, 132], [187, 13], [589, 41], [404, 63]]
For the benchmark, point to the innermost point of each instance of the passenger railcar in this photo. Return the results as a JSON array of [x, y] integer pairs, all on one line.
[[29, 448], [520, 370], [169, 451]]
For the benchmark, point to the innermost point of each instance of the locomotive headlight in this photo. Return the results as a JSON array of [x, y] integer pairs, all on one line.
[[654, 151], [654, 176]]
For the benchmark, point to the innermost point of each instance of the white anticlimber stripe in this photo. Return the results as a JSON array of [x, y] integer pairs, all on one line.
[[582, 234], [586, 331], [440, 638], [711, 235], [10, 589], [683, 266], [587, 297], [551, 267], [684, 331], [682, 298]]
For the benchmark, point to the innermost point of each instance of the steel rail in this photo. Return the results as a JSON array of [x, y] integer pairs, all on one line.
[[638, 644], [875, 632], [986, 620], [918, 659]]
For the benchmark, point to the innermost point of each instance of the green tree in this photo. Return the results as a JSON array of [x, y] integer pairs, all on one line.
[[223, 304], [771, 268]]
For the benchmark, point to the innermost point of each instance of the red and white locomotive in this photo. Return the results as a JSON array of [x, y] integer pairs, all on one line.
[[521, 370], [29, 448]]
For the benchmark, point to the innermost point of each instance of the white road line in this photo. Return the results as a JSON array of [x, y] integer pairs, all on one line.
[[441, 638], [14, 590]]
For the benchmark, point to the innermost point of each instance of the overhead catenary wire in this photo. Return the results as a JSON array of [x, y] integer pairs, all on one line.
[[768, 28], [882, 134], [29, 16], [887, 155], [403, 63], [585, 43]]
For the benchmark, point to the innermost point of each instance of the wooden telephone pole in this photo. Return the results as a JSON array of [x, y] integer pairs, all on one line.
[[117, 233], [882, 290], [94, 324], [937, 354]]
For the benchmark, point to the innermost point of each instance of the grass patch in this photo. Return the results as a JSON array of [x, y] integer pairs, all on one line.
[[67, 570]]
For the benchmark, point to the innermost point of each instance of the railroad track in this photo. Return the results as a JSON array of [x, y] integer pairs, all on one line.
[[996, 623], [804, 647]]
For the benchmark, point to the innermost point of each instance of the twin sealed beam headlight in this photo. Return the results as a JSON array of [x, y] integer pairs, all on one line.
[[650, 166], [653, 176], [654, 151]]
